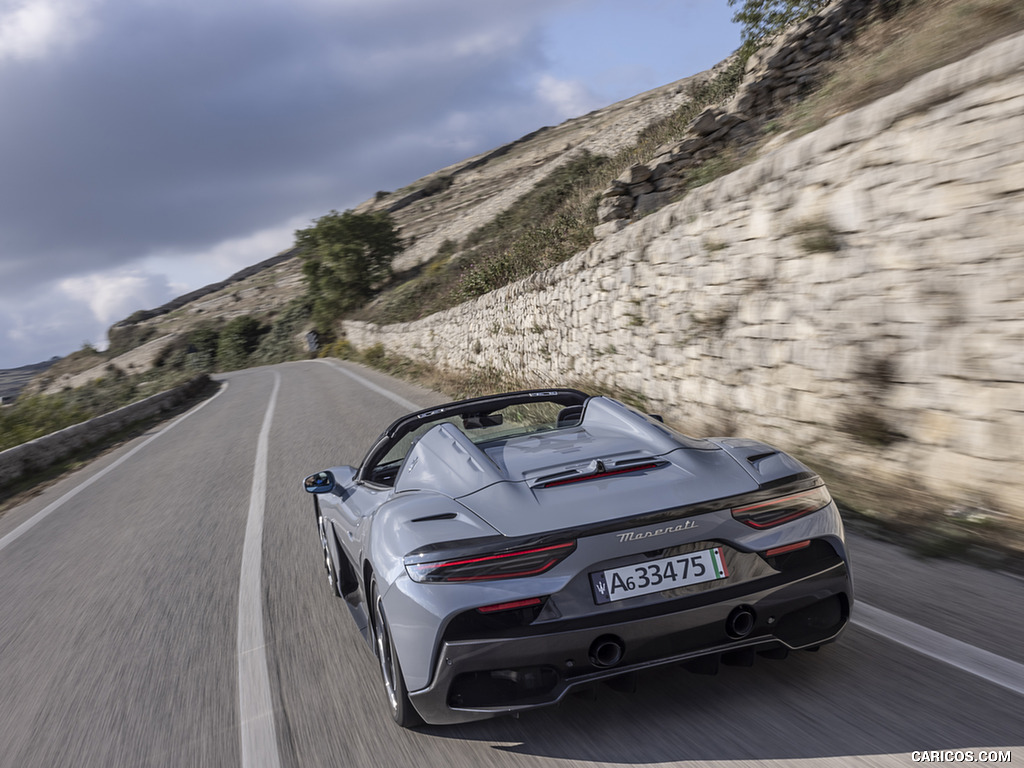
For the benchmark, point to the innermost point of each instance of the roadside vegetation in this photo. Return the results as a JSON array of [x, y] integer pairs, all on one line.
[[346, 259], [37, 415], [458, 385], [209, 347]]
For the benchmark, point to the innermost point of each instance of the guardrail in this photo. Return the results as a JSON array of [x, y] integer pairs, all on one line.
[[47, 450]]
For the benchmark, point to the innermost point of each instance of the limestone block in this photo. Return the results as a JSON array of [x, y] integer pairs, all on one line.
[[668, 184], [635, 174], [850, 208], [707, 122], [760, 222], [1007, 180], [994, 440], [650, 201]]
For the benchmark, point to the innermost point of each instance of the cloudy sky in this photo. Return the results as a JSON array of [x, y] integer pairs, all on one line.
[[149, 147]]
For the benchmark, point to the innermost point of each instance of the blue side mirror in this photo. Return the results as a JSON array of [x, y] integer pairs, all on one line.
[[321, 482]]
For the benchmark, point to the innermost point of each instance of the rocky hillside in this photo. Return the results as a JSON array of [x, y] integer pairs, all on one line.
[[454, 201], [444, 205]]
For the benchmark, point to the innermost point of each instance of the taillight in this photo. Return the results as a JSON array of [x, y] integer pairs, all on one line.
[[766, 514], [501, 565]]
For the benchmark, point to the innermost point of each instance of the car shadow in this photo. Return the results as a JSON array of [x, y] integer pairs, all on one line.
[[863, 698]]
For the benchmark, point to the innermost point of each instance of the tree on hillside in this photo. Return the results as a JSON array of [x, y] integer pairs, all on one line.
[[762, 18], [237, 341], [347, 258]]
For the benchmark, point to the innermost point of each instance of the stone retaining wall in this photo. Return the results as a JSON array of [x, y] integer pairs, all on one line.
[[857, 296], [45, 451]]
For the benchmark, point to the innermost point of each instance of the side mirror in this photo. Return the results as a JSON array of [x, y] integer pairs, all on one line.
[[657, 417], [321, 482]]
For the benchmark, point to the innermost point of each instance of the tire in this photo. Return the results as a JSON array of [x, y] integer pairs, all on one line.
[[333, 582], [396, 696]]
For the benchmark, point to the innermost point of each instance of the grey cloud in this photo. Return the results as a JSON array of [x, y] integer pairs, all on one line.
[[178, 125]]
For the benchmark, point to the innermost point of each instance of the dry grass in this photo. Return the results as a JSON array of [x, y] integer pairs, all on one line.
[[78, 361], [889, 53]]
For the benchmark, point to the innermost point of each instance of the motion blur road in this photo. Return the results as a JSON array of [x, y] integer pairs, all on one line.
[[120, 626]]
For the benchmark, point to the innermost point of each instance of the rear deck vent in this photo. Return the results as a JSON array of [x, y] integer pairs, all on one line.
[[440, 516], [597, 469]]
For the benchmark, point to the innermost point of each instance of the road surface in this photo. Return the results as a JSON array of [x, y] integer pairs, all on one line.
[[166, 606]]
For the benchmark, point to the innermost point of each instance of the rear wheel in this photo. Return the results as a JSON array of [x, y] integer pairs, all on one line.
[[395, 692]]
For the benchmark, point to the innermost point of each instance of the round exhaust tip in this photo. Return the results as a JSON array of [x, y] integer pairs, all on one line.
[[740, 622], [606, 651]]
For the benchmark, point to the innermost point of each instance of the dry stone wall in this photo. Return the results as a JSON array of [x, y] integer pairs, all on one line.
[[776, 76], [856, 296], [45, 451]]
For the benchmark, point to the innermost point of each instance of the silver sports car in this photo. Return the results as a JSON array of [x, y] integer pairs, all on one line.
[[499, 552]]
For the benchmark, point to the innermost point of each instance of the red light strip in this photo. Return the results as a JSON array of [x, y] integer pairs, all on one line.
[[608, 473], [787, 548], [510, 606]]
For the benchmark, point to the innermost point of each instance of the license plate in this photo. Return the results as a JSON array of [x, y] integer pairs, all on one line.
[[658, 575]]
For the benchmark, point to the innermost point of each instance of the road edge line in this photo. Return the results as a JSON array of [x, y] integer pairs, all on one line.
[[989, 666], [370, 385]]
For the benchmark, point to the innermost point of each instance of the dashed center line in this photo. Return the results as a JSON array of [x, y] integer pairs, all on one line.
[[255, 703]]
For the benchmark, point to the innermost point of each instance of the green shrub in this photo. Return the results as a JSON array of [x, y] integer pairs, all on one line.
[[282, 341], [342, 349], [347, 260], [238, 340], [375, 355], [763, 18], [818, 236]]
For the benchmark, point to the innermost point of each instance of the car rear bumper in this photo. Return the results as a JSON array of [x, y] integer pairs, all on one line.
[[481, 678]]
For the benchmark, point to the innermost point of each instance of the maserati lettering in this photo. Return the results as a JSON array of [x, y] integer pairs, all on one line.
[[634, 536]]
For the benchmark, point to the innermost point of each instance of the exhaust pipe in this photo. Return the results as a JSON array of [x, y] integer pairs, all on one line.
[[606, 651], [740, 622]]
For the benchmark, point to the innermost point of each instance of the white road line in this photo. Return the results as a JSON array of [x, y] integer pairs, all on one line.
[[370, 385], [41, 514], [255, 704], [988, 666]]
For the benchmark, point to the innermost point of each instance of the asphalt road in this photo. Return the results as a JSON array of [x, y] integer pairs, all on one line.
[[122, 634]]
